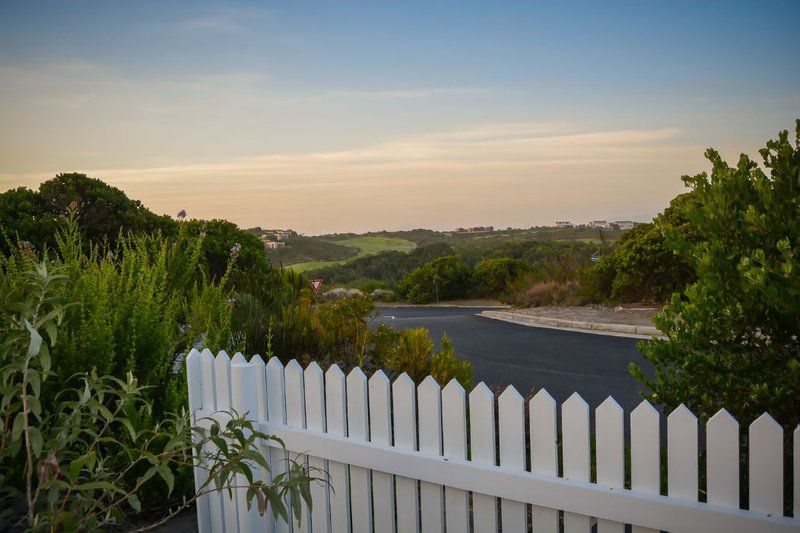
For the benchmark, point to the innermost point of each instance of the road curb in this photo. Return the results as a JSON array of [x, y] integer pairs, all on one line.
[[617, 330]]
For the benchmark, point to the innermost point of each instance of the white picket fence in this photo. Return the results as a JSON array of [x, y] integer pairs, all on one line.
[[412, 458]]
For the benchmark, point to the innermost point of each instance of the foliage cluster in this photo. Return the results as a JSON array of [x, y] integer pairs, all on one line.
[[85, 463], [732, 335], [643, 267], [411, 351]]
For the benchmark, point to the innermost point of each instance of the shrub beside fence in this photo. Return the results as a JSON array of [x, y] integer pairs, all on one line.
[[407, 458]]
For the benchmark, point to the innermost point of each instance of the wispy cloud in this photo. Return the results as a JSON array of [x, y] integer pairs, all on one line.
[[523, 173], [407, 94], [224, 19]]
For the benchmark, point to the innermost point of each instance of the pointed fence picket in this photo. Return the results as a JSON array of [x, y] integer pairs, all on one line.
[[380, 432], [454, 445], [544, 454], [396, 456], [610, 449], [314, 382], [482, 445], [336, 417], [404, 408], [430, 442], [511, 409]]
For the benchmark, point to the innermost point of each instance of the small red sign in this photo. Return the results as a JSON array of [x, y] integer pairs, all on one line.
[[315, 284]]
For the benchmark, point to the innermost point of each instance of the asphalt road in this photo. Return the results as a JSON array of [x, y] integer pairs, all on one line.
[[530, 358]]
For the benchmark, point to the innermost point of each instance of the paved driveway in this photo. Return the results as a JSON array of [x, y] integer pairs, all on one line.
[[530, 358]]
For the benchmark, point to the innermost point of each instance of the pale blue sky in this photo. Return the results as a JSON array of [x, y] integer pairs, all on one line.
[[354, 116]]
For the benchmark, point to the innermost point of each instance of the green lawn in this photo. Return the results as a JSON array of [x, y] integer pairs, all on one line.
[[366, 246]]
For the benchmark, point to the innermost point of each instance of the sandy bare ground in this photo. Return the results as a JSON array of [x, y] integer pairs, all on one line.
[[639, 316]]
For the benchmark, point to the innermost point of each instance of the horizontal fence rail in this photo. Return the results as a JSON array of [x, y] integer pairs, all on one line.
[[409, 458]]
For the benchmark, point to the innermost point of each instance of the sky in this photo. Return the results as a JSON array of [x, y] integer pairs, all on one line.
[[337, 116]]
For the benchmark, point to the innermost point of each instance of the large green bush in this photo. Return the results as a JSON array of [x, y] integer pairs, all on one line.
[[642, 267], [495, 277], [733, 336], [95, 456], [444, 278]]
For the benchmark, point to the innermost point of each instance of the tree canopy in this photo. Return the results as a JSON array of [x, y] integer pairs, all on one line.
[[733, 336]]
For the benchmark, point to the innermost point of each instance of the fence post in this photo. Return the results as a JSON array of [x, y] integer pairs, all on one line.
[[208, 375], [357, 428], [511, 418], [765, 438], [296, 418], [245, 402], [645, 453], [276, 409], [380, 432], [430, 441], [404, 408], [575, 429], [315, 421], [194, 382], [483, 451], [336, 420], [610, 452], [544, 454], [722, 460], [222, 372], [454, 433], [682, 454]]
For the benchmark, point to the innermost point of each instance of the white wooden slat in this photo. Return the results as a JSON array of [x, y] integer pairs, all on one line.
[[276, 411], [765, 438], [645, 453], [544, 453], [454, 445], [670, 514], [296, 417], [575, 429], [315, 420], [511, 421], [194, 381], [336, 422], [243, 383], [357, 428], [682, 454], [404, 411], [483, 450], [430, 440], [222, 373], [796, 463], [238, 358], [268, 520], [380, 432], [209, 378], [722, 460], [610, 448]]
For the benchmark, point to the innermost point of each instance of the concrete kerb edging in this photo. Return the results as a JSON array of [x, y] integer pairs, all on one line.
[[619, 330]]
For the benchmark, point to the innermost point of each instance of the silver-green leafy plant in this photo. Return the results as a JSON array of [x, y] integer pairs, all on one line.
[[82, 462]]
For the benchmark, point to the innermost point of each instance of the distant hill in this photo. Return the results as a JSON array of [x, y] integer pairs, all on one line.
[[301, 249]]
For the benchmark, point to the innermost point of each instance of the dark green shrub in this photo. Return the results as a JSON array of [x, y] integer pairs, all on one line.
[[444, 278], [732, 335]]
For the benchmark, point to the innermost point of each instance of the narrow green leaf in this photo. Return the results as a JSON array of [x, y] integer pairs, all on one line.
[[134, 502], [167, 476]]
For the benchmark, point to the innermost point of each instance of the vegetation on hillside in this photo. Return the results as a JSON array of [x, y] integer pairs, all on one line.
[[300, 249]]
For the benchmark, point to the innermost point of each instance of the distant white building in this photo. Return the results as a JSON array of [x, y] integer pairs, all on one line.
[[599, 224], [625, 224], [274, 245], [564, 224]]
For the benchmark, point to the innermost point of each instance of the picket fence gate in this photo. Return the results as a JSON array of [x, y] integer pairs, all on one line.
[[409, 458]]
